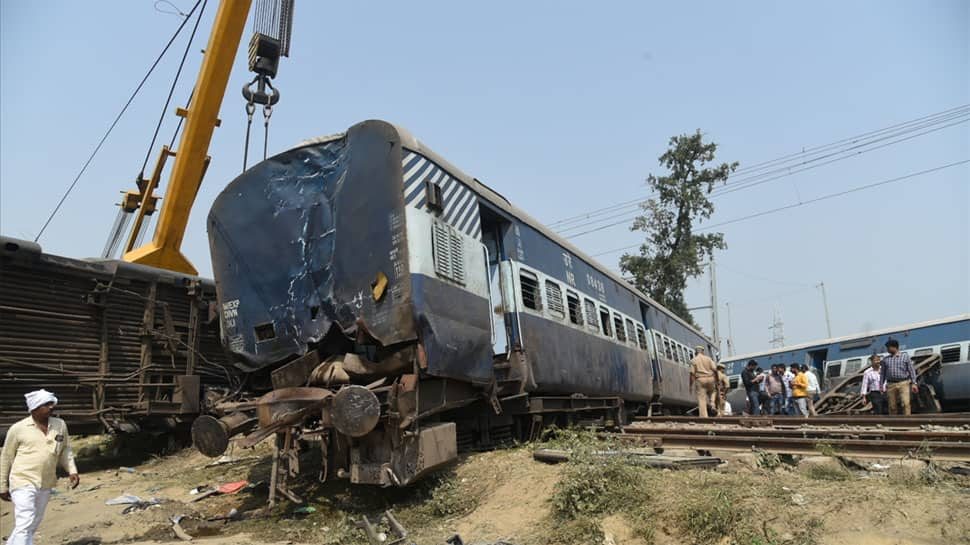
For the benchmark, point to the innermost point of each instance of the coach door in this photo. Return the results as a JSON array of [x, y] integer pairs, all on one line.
[[501, 312]]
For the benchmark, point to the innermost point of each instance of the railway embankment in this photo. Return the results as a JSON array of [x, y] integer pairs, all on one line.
[[600, 495]]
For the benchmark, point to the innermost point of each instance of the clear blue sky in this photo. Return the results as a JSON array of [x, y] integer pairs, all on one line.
[[563, 107]]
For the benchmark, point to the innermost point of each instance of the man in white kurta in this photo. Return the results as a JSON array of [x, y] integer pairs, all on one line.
[[33, 449]]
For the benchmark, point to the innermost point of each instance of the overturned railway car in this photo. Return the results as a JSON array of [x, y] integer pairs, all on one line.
[[124, 347], [401, 309]]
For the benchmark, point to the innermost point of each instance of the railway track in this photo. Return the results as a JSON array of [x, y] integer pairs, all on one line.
[[945, 419], [861, 436]]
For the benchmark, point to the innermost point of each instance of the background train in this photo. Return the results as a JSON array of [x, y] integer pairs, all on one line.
[[837, 358], [369, 281], [123, 346]]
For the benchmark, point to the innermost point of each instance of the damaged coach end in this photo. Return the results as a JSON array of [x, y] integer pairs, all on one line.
[[333, 300]]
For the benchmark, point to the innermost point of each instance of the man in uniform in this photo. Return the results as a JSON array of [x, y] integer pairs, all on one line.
[[723, 384], [702, 375], [28, 464], [900, 377]]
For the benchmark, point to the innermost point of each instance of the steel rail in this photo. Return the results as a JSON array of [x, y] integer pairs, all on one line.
[[940, 450], [816, 433], [943, 419]]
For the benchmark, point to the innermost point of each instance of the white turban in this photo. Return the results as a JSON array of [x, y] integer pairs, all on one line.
[[38, 398]]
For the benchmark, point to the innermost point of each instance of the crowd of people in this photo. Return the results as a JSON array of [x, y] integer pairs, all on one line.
[[793, 389]]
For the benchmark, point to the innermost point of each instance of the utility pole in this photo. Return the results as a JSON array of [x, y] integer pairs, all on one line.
[[715, 330], [825, 303], [730, 339], [777, 331]]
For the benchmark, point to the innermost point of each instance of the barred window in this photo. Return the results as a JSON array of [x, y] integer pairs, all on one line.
[[631, 333], [591, 320], [605, 322], [620, 332], [554, 299], [572, 305], [641, 337], [530, 290]]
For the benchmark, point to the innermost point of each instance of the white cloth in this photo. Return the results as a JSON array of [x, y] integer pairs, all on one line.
[[727, 408], [38, 398], [812, 382], [29, 504]]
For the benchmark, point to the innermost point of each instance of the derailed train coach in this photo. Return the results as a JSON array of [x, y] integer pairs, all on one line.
[[399, 310], [124, 347]]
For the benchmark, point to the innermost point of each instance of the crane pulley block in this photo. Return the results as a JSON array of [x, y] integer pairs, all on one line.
[[264, 55]]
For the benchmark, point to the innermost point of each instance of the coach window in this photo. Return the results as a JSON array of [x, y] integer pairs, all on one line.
[[530, 289], [641, 337], [631, 333], [572, 305], [618, 325], [554, 299], [680, 354], [834, 369], [852, 366], [658, 343], [605, 322], [950, 354], [667, 351], [591, 320]]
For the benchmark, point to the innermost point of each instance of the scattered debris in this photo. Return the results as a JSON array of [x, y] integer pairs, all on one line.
[[379, 538], [878, 467], [232, 488], [179, 532], [226, 459], [799, 500], [456, 540], [127, 469], [123, 500], [555, 456], [304, 510]]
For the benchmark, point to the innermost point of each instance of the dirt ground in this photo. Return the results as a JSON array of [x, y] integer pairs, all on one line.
[[506, 495]]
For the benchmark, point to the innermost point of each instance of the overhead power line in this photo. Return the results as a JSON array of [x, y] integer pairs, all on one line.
[[806, 156], [803, 203], [773, 175], [117, 118]]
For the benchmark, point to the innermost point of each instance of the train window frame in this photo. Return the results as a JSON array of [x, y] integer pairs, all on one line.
[[944, 358], [853, 366], [641, 337], [592, 317], [668, 350], [574, 307], [533, 289], [605, 325], [680, 354], [631, 332], [554, 302], [618, 327], [923, 352], [837, 366]]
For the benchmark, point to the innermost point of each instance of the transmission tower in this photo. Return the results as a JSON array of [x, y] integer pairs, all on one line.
[[777, 331]]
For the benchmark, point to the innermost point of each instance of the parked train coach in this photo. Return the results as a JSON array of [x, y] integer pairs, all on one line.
[[838, 358], [418, 311], [124, 347]]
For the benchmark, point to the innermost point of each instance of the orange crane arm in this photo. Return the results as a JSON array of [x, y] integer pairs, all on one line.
[[201, 119]]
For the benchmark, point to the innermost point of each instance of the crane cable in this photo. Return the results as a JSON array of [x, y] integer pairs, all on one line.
[[114, 123]]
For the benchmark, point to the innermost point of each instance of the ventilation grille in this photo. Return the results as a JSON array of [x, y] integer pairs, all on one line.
[[449, 252]]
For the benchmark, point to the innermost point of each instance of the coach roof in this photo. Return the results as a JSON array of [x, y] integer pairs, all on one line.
[[409, 141]]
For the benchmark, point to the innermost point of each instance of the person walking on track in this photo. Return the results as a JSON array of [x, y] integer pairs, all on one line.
[[900, 376], [33, 449], [702, 375], [873, 387]]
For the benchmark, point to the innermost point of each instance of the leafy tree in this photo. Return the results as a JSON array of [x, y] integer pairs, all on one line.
[[672, 253]]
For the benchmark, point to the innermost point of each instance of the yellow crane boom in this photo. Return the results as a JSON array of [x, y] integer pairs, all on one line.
[[201, 119]]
